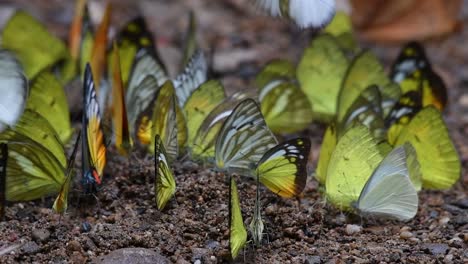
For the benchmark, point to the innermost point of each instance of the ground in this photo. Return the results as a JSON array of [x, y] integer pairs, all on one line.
[[194, 224]]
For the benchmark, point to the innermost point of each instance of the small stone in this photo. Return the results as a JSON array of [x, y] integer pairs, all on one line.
[[444, 220], [462, 203], [436, 248], [74, 246], [199, 253], [89, 244], [132, 255], [465, 237], [197, 261], [448, 258], [463, 100], [189, 166], [460, 220], [406, 234], [313, 260], [456, 242], [353, 229], [40, 235], [212, 244], [30, 247]]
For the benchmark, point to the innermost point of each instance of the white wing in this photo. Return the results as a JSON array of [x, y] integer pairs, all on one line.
[[311, 13], [195, 73], [389, 192], [13, 90], [243, 139]]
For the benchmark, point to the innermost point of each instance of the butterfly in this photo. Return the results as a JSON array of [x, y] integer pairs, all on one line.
[[243, 139], [237, 231], [93, 149], [164, 184], [256, 225], [284, 105], [341, 28], [190, 40], [98, 52], [389, 192], [203, 147], [21, 34], [322, 67], [283, 168], [305, 13], [122, 138], [366, 70], [14, 90], [3, 165], [439, 160], [326, 150], [61, 202], [413, 71], [357, 169], [47, 98]]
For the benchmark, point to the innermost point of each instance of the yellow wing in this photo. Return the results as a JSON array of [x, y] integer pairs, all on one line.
[[93, 138], [366, 70], [237, 231], [320, 73], [164, 184], [35, 47], [122, 138], [47, 97], [437, 156], [98, 53], [326, 150], [275, 70], [404, 110], [342, 29], [354, 158], [202, 101], [283, 169]]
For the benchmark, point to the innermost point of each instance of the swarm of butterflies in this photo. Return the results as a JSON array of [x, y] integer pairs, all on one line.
[[386, 138]]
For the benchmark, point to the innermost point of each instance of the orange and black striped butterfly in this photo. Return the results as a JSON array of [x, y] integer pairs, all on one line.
[[3, 165], [93, 148]]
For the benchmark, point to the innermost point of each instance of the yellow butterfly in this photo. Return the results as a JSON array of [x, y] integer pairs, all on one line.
[[283, 168], [341, 28], [164, 184], [61, 202], [98, 52], [237, 231], [47, 97], [413, 71], [243, 139], [440, 163], [284, 105], [122, 138], [190, 41], [320, 73], [35, 47], [93, 149], [360, 178]]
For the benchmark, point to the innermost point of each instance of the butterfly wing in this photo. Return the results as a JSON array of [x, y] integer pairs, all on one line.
[[122, 138], [320, 73], [47, 98], [61, 202], [283, 169], [13, 88], [256, 226], [237, 232], [243, 139], [389, 192], [164, 184], [354, 158], [326, 150], [311, 13], [94, 150], [35, 47], [439, 160], [195, 73], [364, 71]]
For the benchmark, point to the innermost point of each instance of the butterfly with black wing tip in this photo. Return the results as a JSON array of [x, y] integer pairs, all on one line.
[[305, 13], [243, 139], [93, 147]]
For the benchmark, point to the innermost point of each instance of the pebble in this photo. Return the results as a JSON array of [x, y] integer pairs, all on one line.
[[406, 234], [199, 253], [353, 229], [444, 220], [463, 100], [456, 242], [462, 203], [460, 220], [313, 260], [132, 256], [435, 248], [74, 246], [30, 247], [40, 235], [189, 166]]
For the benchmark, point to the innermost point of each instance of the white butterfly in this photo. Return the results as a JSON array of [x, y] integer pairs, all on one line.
[[13, 90], [305, 13], [389, 192]]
